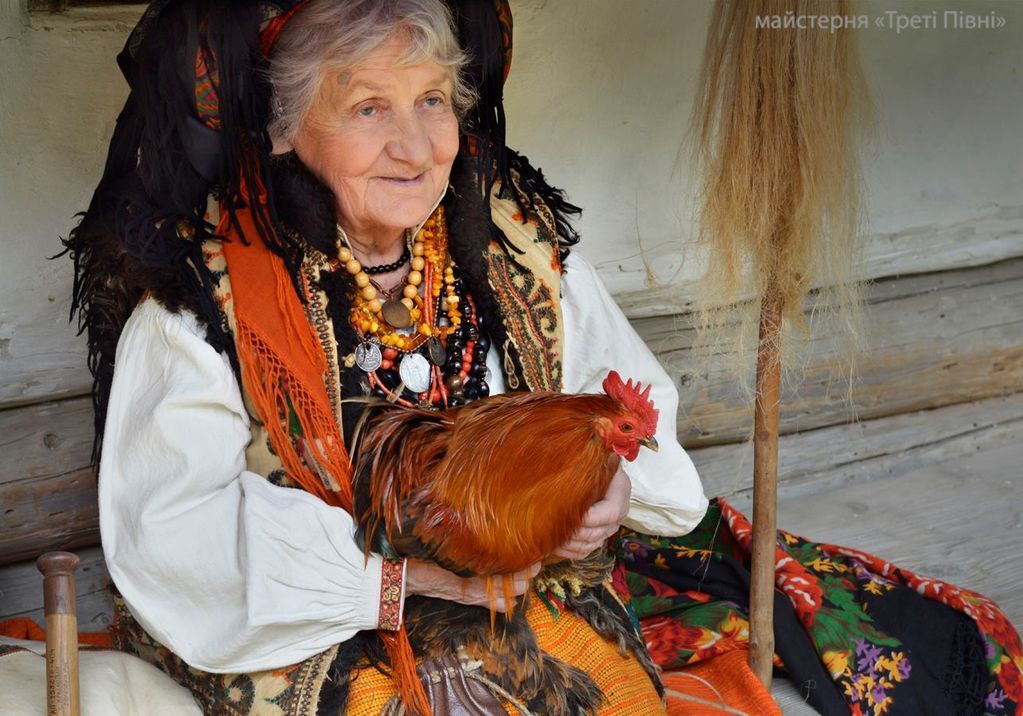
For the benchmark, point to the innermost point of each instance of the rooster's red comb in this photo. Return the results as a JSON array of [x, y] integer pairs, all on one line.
[[635, 401]]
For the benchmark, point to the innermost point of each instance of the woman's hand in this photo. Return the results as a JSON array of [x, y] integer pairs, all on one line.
[[601, 521], [429, 580]]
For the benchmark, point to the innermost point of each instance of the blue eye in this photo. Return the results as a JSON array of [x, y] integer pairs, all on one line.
[[434, 101], [367, 111]]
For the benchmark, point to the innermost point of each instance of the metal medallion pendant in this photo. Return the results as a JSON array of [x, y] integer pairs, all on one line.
[[397, 314], [435, 351], [415, 372], [367, 356]]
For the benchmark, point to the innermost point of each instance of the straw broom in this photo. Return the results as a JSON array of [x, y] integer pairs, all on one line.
[[775, 125]]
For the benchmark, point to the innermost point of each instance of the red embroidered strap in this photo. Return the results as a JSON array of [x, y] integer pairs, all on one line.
[[392, 594]]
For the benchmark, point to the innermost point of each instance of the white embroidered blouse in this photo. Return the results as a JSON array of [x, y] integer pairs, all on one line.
[[235, 574]]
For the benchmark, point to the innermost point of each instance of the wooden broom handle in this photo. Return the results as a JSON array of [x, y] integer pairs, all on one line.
[[765, 490], [62, 697]]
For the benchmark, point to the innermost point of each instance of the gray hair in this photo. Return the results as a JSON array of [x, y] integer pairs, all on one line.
[[336, 34]]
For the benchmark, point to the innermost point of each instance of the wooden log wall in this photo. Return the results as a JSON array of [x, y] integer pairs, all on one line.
[[932, 339]]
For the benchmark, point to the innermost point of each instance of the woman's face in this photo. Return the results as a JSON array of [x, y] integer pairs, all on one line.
[[383, 137]]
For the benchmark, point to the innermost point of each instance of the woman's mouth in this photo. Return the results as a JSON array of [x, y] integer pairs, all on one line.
[[407, 182]]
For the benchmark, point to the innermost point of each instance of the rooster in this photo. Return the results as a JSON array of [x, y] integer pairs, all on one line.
[[488, 489]]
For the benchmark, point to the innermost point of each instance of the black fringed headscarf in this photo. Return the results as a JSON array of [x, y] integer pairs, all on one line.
[[194, 125], [485, 34], [144, 229]]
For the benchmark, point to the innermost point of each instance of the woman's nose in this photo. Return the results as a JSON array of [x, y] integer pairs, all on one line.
[[410, 142]]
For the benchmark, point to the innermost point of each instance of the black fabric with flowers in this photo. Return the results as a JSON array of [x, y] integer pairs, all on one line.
[[855, 633]]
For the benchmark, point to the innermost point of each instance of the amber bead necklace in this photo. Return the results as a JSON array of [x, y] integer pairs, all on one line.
[[426, 337]]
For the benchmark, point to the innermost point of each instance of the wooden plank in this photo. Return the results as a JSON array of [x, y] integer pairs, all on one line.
[[21, 591], [788, 698], [994, 234], [46, 439], [48, 513], [41, 357], [959, 520], [814, 462], [47, 489], [934, 339]]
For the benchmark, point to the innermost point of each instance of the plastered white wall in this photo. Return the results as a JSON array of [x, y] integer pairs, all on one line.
[[599, 94], [60, 91]]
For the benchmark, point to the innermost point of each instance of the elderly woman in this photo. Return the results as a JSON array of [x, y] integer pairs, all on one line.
[[267, 241]]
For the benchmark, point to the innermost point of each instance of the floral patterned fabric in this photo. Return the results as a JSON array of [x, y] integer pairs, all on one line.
[[888, 640]]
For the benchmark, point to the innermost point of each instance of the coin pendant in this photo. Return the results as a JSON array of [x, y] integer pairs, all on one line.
[[367, 356], [435, 351], [397, 314], [415, 372]]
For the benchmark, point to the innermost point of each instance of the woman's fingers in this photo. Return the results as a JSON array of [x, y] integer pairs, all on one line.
[[600, 515], [577, 548], [597, 531], [595, 535], [618, 494], [572, 550], [430, 580], [519, 583], [609, 511]]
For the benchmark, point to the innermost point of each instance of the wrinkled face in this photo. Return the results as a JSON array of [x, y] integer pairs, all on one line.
[[624, 434], [383, 138]]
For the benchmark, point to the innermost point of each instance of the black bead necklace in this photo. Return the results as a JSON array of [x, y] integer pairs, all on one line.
[[460, 390], [393, 266]]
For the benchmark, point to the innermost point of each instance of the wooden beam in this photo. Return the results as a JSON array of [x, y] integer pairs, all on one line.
[[661, 281], [47, 489], [45, 439], [819, 461], [934, 339], [48, 513], [21, 591]]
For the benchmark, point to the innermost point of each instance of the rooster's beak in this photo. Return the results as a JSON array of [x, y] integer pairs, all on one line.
[[650, 442]]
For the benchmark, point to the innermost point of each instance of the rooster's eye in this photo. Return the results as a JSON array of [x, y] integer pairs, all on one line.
[[626, 428]]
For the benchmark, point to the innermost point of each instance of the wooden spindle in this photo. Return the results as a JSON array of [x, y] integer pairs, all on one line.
[[62, 697]]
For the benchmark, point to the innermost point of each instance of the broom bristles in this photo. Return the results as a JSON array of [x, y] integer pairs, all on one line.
[[775, 131]]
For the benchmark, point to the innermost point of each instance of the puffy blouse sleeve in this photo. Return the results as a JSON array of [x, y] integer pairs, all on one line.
[[229, 571], [667, 497]]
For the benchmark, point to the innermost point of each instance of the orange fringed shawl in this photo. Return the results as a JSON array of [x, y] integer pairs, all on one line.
[[283, 369]]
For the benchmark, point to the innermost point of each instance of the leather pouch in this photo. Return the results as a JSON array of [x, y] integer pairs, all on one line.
[[454, 690]]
